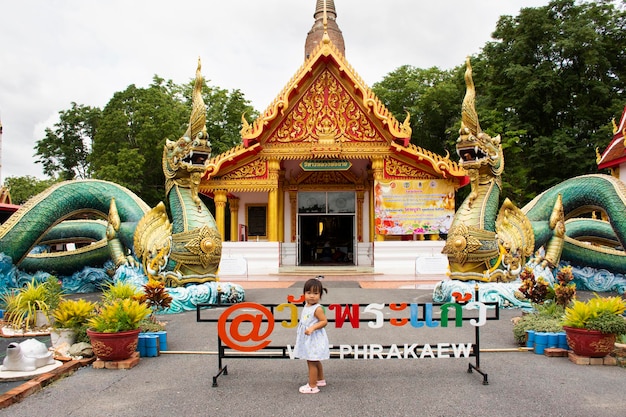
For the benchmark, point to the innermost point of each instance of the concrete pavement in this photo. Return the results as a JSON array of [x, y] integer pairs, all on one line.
[[520, 383]]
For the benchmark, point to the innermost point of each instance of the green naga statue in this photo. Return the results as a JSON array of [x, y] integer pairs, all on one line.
[[184, 251], [491, 243], [188, 249]]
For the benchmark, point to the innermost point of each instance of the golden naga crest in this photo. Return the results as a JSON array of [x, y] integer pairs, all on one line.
[[186, 159], [473, 252], [476, 149]]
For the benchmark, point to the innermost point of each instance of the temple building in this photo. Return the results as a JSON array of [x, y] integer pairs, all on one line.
[[614, 156], [327, 179]]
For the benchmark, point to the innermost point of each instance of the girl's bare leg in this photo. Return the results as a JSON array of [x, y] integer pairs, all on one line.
[[320, 371], [313, 372]]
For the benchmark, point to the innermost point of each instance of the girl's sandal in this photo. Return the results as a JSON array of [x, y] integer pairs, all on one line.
[[321, 383], [306, 389]]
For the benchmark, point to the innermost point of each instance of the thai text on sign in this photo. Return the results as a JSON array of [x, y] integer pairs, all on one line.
[[248, 326]]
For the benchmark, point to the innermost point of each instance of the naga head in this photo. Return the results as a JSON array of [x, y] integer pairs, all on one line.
[[185, 156], [476, 149], [190, 154]]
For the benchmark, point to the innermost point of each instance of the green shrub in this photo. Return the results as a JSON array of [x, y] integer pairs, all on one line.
[[545, 318]]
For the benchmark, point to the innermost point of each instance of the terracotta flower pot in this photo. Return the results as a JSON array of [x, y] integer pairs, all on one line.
[[113, 346], [591, 343]]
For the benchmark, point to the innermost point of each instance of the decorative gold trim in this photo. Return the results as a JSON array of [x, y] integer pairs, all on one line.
[[282, 101], [85, 249]]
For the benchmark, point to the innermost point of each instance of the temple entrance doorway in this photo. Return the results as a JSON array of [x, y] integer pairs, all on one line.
[[326, 240], [326, 227]]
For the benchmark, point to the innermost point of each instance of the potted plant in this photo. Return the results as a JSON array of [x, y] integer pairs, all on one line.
[[153, 337], [29, 307], [591, 326], [545, 318], [114, 329], [70, 321], [155, 295]]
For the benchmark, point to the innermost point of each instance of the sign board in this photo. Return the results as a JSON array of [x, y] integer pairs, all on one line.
[[409, 207], [326, 165]]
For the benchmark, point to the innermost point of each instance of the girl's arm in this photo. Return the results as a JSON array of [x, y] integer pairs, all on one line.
[[322, 321]]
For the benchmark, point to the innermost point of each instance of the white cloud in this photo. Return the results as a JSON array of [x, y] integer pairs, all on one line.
[[57, 52]]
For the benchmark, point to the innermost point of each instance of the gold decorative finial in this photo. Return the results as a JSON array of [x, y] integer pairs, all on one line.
[[245, 126], [197, 120], [469, 117], [615, 128], [325, 19]]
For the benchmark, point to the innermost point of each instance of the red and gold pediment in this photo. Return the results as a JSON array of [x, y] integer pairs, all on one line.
[[325, 99], [326, 114], [256, 169], [397, 169], [615, 153]]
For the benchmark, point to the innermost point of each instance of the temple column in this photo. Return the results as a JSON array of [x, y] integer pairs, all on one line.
[[360, 197], [272, 202], [377, 174], [220, 198], [234, 220], [281, 207], [293, 203]]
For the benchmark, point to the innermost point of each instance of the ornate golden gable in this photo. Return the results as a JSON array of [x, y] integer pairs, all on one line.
[[256, 169], [325, 54], [326, 111], [326, 114]]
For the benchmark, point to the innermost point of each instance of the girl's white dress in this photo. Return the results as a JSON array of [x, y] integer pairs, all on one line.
[[313, 347]]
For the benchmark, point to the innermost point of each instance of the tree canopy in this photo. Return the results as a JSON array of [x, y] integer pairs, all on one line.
[[65, 149], [556, 76], [23, 188], [549, 83], [123, 142]]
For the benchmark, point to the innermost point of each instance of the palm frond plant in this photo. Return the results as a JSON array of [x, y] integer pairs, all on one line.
[[120, 290], [74, 315], [21, 305], [119, 316], [592, 326]]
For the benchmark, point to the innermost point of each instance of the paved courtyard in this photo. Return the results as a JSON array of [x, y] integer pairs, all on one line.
[[521, 383]]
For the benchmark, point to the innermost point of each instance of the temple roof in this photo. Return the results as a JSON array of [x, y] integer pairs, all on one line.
[[326, 111], [615, 153]]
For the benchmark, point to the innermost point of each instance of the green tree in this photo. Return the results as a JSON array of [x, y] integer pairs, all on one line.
[[128, 146], [554, 76], [23, 188], [431, 97], [65, 149]]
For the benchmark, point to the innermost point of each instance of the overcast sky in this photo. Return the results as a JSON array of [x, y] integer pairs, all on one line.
[[54, 52]]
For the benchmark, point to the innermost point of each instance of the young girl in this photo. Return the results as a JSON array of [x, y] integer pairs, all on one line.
[[311, 340]]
